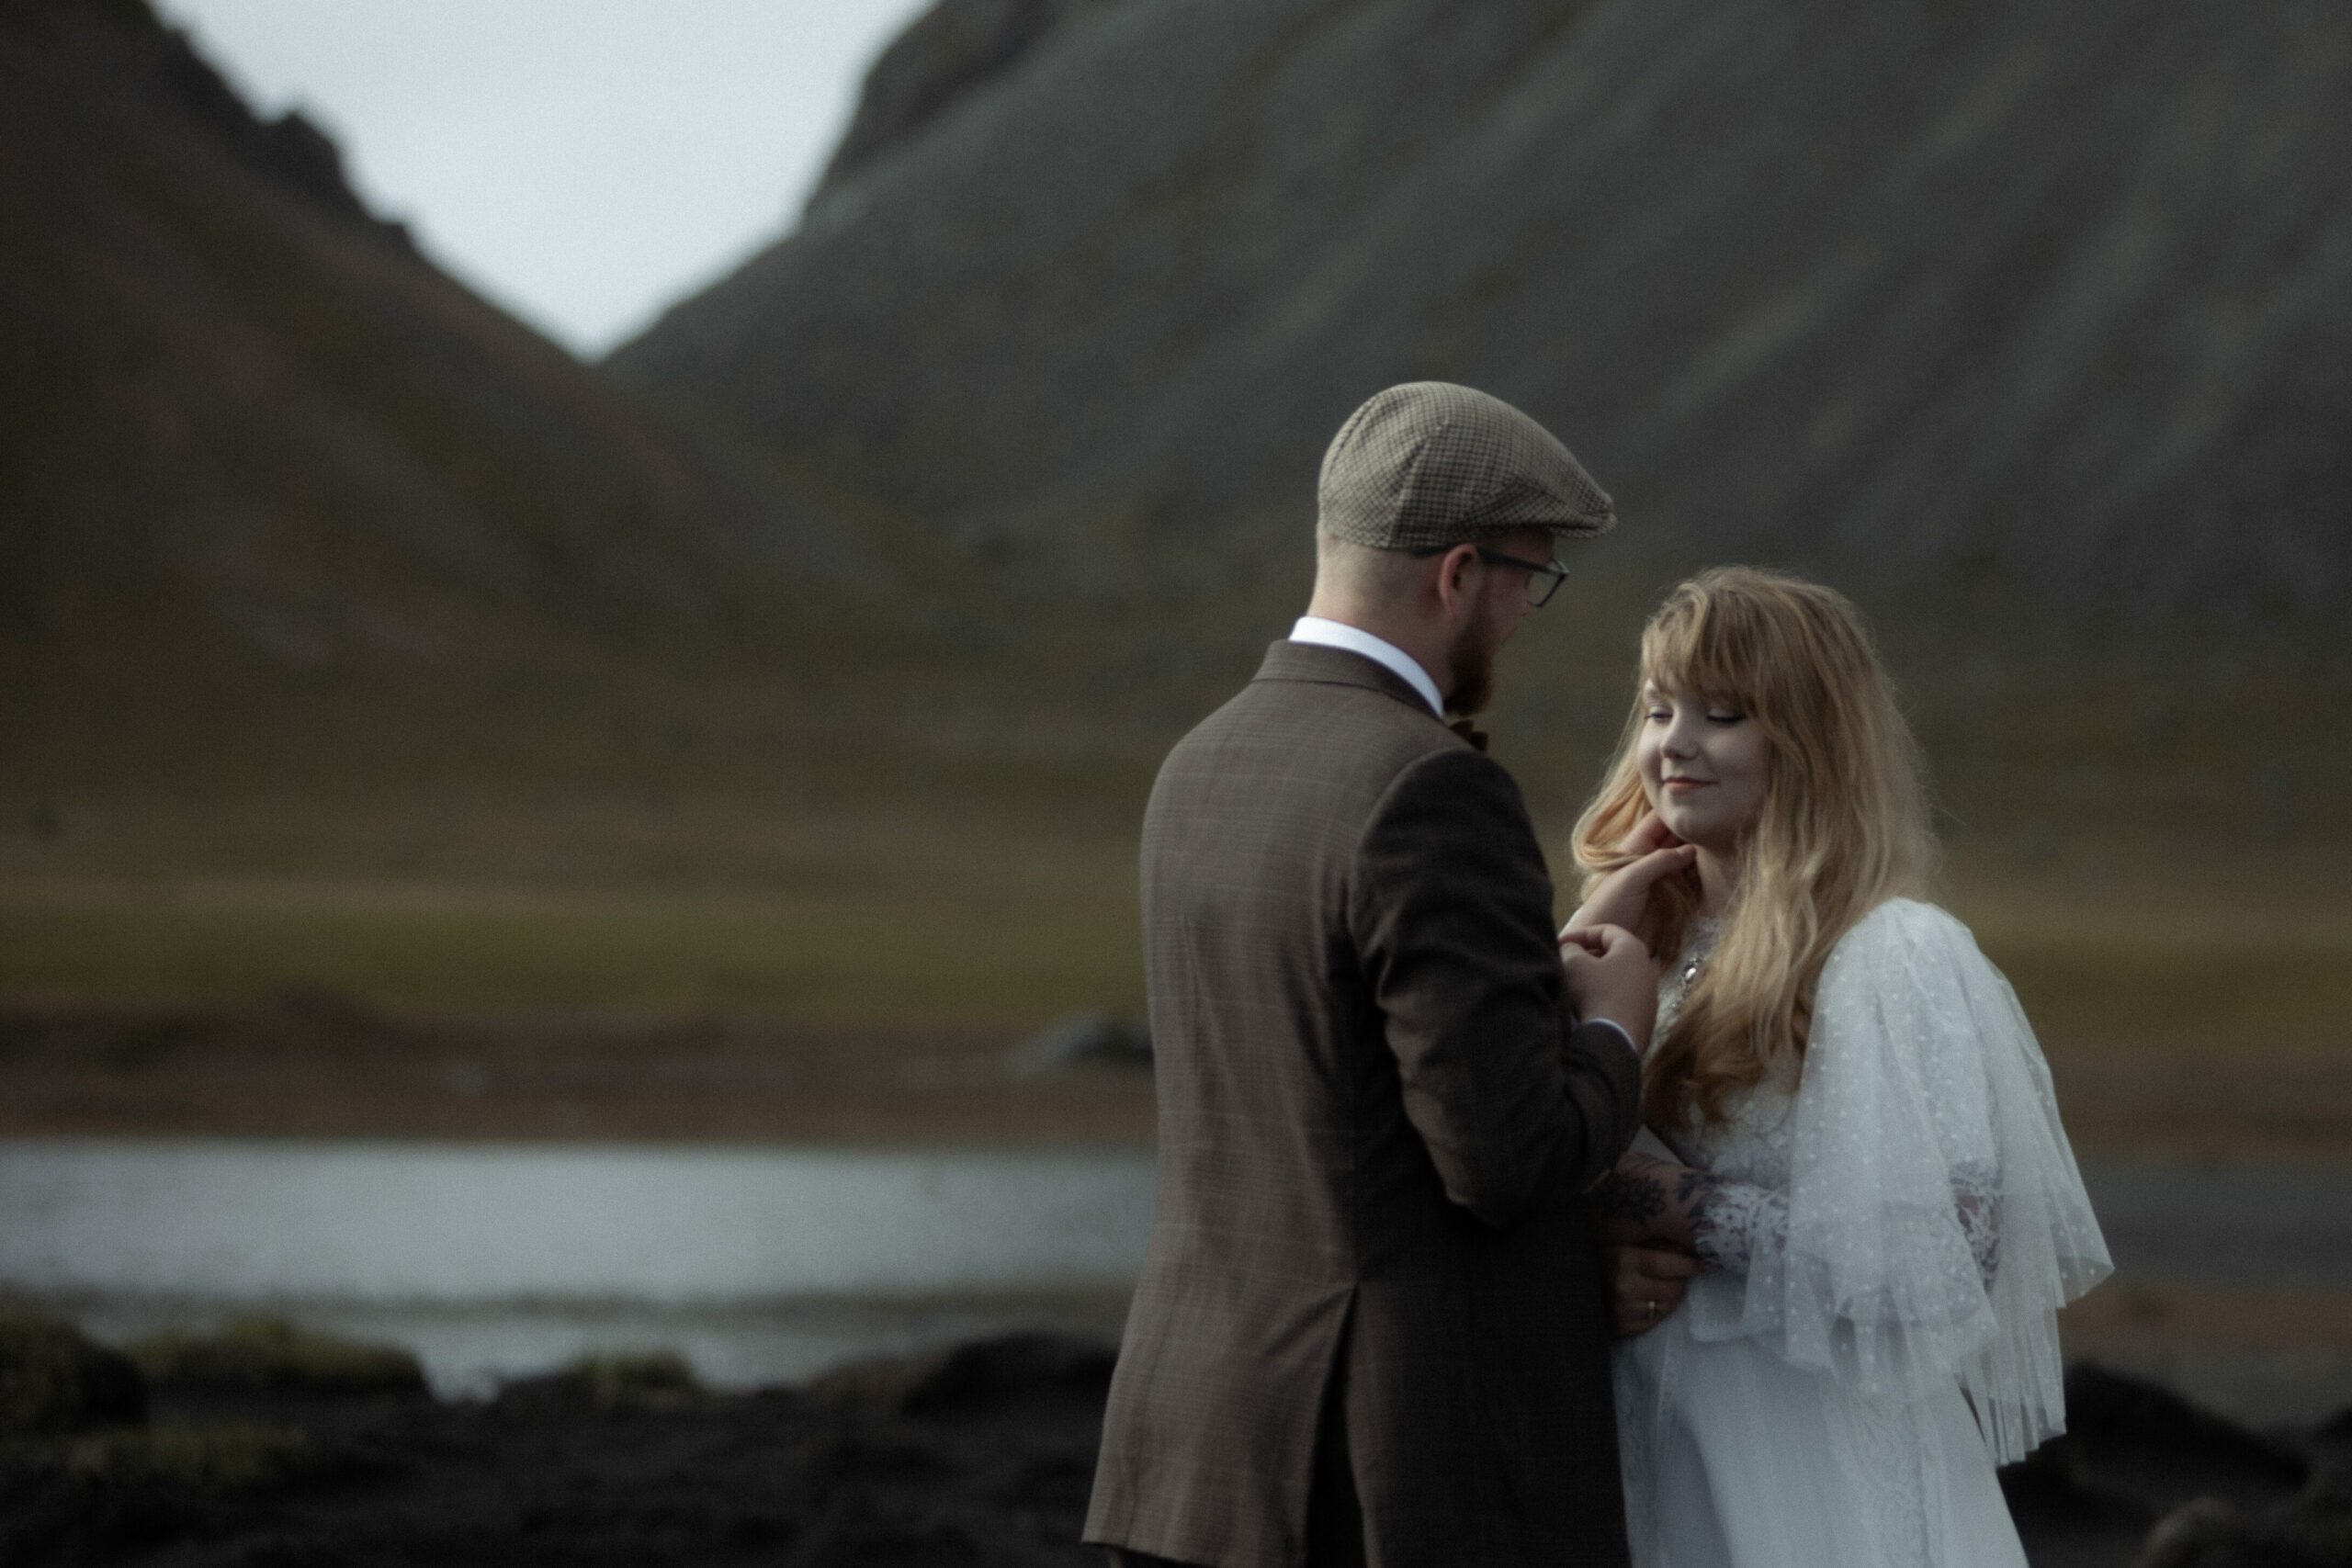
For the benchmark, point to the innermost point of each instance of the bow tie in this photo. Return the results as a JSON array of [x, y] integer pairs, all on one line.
[[1470, 732]]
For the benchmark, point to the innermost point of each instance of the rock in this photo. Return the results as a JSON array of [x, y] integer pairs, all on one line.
[[2063, 1512], [2204, 1491], [1082, 1040], [772, 1476], [235, 1456], [53, 1379], [2313, 1531], [836, 1460], [982, 1374], [867, 1540], [2140, 1439], [2195, 1535]]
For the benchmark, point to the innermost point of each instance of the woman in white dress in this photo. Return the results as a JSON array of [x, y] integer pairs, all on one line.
[[1854, 1133]]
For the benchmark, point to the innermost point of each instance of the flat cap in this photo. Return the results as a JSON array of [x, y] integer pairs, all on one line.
[[1429, 464]]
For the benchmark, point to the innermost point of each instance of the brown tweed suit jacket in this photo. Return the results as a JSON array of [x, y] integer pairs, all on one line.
[[1375, 1119]]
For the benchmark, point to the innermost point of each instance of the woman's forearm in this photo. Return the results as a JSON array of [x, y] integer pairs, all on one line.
[[1646, 1198], [1727, 1224]]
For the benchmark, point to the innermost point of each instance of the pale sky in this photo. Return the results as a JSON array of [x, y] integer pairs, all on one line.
[[582, 163]]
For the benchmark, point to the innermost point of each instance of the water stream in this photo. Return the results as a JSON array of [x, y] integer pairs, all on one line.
[[768, 1264]]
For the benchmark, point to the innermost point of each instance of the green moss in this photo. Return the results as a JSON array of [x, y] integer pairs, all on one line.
[[53, 1379], [625, 1377], [615, 1380], [258, 1353]]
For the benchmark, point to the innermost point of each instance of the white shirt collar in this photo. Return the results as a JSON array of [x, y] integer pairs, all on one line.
[[1315, 629]]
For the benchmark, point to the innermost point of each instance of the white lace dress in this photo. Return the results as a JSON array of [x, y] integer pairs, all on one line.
[[1891, 1234]]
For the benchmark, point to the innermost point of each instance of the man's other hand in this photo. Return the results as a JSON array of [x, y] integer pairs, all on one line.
[[1611, 976], [1645, 1283]]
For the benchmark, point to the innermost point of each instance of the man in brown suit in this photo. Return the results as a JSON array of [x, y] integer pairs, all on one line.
[[1370, 1327]]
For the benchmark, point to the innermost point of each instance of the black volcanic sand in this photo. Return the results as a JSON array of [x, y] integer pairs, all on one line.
[[981, 1454]]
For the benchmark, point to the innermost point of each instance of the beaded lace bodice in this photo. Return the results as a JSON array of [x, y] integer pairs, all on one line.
[[1887, 1222], [1749, 1153]]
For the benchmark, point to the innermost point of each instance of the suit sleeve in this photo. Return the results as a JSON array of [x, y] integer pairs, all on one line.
[[1452, 911]]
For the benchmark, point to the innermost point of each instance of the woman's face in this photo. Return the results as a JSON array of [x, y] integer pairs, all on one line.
[[1704, 767]]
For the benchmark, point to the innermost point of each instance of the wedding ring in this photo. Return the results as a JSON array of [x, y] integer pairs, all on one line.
[[1650, 1312]]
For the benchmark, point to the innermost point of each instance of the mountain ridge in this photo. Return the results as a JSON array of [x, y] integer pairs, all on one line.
[[2032, 319], [290, 147], [237, 403]]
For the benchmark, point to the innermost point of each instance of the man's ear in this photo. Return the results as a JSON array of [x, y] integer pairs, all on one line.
[[1455, 569]]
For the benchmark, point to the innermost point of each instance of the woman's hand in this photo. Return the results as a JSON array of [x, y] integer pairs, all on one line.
[[1623, 898], [1646, 1284]]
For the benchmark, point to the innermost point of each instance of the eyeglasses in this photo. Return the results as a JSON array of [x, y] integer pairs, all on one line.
[[1543, 578]]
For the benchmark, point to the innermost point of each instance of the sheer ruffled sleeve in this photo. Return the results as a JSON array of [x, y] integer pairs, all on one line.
[[1934, 1220]]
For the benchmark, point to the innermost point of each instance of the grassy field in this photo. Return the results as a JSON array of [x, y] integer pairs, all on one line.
[[894, 926], [887, 853], [679, 969], [904, 926]]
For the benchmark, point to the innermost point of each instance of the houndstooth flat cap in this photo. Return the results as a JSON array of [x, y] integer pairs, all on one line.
[[1429, 464]]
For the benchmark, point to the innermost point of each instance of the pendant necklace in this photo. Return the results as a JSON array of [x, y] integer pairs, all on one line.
[[1701, 947]]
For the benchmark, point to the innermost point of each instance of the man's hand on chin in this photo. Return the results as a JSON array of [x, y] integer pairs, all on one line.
[[1626, 896]]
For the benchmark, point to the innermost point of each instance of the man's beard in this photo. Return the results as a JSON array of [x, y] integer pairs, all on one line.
[[1470, 663]]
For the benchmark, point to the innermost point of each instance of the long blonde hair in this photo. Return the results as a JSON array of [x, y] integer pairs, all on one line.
[[1843, 827]]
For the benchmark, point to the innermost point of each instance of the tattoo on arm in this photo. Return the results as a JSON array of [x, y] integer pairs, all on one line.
[[1631, 1193], [1730, 1219], [1711, 1234], [1730, 1222]]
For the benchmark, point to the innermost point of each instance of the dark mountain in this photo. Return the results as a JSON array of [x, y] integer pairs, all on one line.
[[2023, 314], [289, 149], [944, 54], [247, 432]]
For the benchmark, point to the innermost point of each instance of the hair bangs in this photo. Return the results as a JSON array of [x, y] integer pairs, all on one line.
[[1697, 645]]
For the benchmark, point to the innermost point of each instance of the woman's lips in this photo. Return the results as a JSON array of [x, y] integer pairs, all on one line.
[[1684, 786]]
